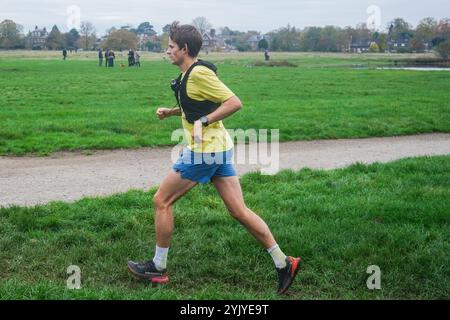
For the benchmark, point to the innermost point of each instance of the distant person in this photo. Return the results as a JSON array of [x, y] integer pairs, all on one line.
[[106, 57], [111, 58], [266, 55], [100, 57], [64, 54], [137, 60], [130, 58]]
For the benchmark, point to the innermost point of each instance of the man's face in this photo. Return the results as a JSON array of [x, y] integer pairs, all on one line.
[[176, 55]]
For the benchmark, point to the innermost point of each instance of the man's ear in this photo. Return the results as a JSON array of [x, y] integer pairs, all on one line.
[[185, 48]]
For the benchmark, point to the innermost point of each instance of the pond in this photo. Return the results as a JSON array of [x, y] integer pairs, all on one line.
[[415, 68]]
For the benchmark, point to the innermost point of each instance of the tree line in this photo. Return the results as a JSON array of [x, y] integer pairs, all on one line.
[[400, 35], [428, 34], [12, 37]]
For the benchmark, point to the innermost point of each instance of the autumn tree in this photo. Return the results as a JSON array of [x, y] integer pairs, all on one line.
[[11, 35], [121, 40]]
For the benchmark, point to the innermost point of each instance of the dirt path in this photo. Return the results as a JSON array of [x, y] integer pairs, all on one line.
[[28, 181]]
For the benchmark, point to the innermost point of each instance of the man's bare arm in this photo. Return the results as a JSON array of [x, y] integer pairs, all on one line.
[[175, 111], [163, 113], [225, 110]]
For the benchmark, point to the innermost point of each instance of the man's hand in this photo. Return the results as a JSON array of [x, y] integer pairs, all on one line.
[[163, 113]]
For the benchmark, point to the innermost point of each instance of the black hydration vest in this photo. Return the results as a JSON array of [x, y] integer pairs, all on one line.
[[193, 109]]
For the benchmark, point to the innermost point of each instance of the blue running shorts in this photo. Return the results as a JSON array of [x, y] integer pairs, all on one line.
[[201, 167]]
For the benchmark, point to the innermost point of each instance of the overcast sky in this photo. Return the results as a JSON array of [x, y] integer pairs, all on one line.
[[243, 15]]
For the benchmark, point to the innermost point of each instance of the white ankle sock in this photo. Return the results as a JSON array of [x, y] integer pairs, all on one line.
[[279, 258], [160, 258]]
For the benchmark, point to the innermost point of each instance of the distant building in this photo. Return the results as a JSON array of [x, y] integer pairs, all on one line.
[[226, 44], [428, 46], [398, 45], [36, 39], [360, 47], [210, 41]]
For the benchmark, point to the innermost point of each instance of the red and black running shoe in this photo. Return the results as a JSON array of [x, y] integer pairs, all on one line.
[[287, 274], [147, 270]]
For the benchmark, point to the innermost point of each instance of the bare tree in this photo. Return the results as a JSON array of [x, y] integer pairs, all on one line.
[[202, 24], [87, 32]]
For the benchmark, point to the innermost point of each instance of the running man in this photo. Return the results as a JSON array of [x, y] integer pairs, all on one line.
[[204, 101]]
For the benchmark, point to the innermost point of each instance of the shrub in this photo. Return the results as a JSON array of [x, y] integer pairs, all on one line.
[[374, 48], [443, 49]]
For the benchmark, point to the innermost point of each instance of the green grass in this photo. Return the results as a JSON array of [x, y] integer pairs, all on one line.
[[340, 222], [48, 105]]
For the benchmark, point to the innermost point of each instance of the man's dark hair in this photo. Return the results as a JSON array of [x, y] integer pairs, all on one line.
[[186, 35]]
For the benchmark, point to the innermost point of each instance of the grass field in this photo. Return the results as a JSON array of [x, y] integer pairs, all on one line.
[[49, 105], [340, 222]]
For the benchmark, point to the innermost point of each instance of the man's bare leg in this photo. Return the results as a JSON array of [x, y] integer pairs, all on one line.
[[171, 189], [230, 191]]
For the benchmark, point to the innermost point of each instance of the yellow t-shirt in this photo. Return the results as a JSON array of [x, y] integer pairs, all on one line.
[[203, 84]]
